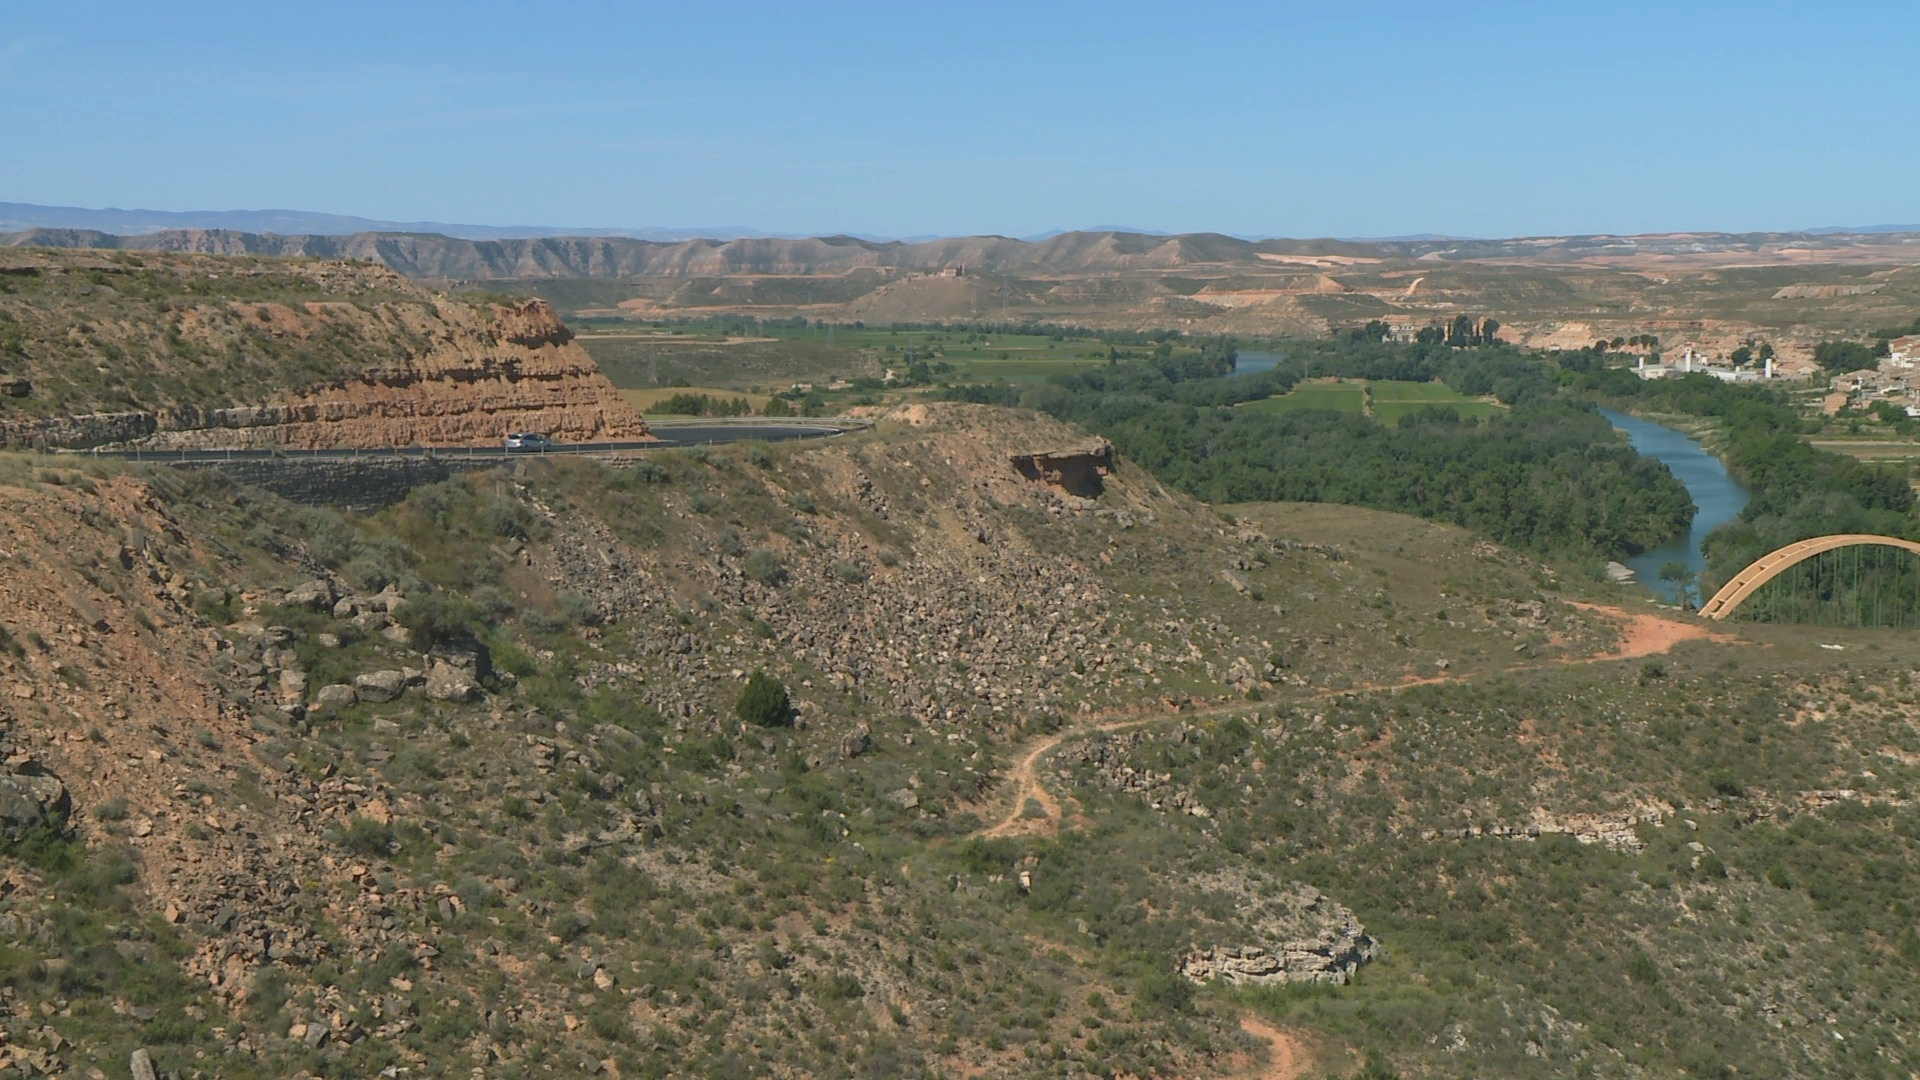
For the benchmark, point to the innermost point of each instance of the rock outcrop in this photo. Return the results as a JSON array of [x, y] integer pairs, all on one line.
[[1293, 934], [31, 799], [329, 356], [1077, 470]]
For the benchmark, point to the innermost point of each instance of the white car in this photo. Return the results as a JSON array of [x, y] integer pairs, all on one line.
[[527, 442]]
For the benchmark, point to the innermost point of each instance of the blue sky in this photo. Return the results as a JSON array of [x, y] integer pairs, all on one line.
[[901, 118]]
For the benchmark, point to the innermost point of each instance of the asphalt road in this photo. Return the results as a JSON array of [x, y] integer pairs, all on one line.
[[670, 436]]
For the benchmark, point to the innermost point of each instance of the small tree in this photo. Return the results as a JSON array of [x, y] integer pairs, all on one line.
[[763, 702], [1676, 573], [439, 619]]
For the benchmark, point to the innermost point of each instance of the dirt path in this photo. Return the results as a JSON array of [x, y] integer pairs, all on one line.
[[1641, 635], [1289, 1059], [1025, 778], [1026, 785], [1647, 635]]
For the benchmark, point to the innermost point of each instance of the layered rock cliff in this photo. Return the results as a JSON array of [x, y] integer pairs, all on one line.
[[196, 351]]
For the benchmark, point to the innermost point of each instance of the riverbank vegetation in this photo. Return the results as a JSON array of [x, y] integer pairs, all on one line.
[[1798, 490], [1548, 476]]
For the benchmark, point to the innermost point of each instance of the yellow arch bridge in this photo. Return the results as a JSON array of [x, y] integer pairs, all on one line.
[[1769, 566]]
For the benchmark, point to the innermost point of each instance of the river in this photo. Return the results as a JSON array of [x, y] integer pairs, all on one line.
[[1254, 361], [1717, 498]]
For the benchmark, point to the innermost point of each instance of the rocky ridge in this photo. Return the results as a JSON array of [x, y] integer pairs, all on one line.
[[305, 356]]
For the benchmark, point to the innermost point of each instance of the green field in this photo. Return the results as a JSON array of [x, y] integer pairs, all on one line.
[[1385, 400], [742, 355], [1338, 397], [1393, 400]]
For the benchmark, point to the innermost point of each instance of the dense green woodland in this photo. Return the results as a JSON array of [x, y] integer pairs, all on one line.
[[1551, 476]]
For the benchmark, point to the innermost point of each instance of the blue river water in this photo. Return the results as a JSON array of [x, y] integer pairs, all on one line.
[[1254, 361], [1717, 498]]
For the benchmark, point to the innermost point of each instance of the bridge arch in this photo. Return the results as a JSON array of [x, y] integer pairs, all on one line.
[[1768, 566]]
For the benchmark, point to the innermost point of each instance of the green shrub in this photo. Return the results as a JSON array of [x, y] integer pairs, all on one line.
[[763, 701], [1725, 783], [1166, 991], [364, 836], [439, 619], [764, 567], [1643, 970], [577, 609]]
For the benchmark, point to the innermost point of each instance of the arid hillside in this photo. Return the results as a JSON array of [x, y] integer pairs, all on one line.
[[1072, 776], [1711, 290], [185, 350]]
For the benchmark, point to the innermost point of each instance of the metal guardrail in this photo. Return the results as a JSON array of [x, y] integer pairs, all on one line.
[[748, 429], [839, 423]]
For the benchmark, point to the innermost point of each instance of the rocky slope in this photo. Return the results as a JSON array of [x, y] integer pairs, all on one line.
[[461, 787], [175, 350], [347, 853]]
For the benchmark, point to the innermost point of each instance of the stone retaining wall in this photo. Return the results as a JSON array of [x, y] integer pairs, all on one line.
[[362, 484]]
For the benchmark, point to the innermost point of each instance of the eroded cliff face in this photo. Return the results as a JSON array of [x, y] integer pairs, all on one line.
[[177, 351], [484, 371]]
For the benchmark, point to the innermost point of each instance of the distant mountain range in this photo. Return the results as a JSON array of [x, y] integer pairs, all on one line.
[[1863, 230], [22, 217], [441, 257], [16, 217]]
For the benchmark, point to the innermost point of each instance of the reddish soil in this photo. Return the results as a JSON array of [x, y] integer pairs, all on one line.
[[1647, 635], [1289, 1059]]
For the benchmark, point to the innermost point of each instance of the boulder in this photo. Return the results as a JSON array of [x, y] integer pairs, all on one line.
[[904, 798], [141, 1065], [470, 657], [316, 594], [1287, 933], [380, 685], [32, 800], [293, 684], [446, 682], [336, 696], [855, 742]]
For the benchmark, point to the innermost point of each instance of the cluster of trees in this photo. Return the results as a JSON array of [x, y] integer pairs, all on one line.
[[704, 405], [1637, 341], [985, 331], [1798, 491], [1464, 332], [1839, 356], [1549, 477], [1898, 331]]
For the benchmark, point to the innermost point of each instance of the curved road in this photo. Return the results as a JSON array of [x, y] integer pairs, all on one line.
[[672, 435]]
